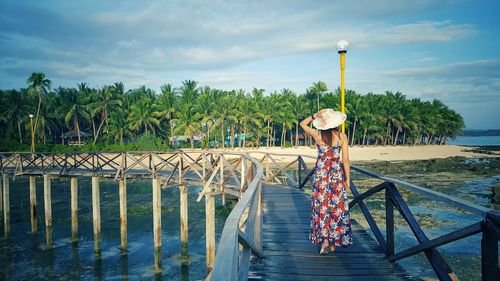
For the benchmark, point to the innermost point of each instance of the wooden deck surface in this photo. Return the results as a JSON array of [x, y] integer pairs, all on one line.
[[289, 255]]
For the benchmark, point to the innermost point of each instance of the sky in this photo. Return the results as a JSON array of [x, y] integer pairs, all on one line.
[[447, 50]]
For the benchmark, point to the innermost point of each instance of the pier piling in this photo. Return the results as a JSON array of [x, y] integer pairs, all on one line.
[[6, 206], [157, 223], [122, 185], [74, 208], [47, 202], [184, 219], [96, 215], [33, 211], [210, 230]]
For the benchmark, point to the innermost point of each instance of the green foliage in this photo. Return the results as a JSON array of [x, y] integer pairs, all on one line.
[[108, 118]]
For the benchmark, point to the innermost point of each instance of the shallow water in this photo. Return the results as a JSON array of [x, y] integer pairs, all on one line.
[[25, 256]]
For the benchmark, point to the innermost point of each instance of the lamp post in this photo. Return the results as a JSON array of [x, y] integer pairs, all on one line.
[[342, 49], [32, 134]]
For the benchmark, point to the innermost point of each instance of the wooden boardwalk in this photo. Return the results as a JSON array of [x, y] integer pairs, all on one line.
[[289, 255]]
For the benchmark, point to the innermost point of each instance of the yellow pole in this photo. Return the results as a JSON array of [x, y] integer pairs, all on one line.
[[32, 136], [342, 94]]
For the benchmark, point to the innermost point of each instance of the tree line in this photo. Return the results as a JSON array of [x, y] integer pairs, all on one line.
[[209, 117]]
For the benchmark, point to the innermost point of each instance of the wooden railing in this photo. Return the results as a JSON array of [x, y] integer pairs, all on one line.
[[489, 226], [242, 227]]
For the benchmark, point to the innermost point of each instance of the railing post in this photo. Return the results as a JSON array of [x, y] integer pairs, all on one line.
[[181, 167], [243, 171], [489, 252], [299, 170], [1, 197], [267, 168], [258, 218], [33, 211], [221, 180], [389, 220], [6, 206]]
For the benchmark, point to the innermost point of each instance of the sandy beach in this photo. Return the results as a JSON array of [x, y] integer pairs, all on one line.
[[380, 153]]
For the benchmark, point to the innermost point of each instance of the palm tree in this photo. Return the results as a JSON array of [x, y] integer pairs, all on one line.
[[18, 110], [119, 127], [187, 121], [143, 115], [74, 105], [166, 106], [105, 102], [205, 106], [40, 86], [318, 88]]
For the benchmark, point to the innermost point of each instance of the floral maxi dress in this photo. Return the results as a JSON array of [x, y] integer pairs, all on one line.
[[330, 219]]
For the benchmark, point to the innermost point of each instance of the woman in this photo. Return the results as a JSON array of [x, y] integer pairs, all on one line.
[[330, 219]]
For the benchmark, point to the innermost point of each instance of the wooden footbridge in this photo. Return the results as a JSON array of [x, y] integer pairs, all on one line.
[[265, 235]]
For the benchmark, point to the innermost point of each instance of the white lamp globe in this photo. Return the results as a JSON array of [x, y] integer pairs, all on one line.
[[342, 46]]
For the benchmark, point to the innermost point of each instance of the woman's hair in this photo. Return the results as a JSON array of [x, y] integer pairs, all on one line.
[[326, 135]]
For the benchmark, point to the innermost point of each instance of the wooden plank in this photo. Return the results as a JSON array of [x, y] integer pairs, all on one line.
[[300, 277], [289, 255]]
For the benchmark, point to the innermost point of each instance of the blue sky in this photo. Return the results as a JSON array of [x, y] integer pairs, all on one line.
[[448, 50]]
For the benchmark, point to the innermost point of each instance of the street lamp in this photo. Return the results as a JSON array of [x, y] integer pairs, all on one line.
[[342, 49], [32, 134]]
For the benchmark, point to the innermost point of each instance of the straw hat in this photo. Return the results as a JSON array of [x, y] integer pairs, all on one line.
[[329, 119]]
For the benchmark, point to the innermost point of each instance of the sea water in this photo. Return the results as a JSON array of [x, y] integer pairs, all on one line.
[[25, 256], [475, 141]]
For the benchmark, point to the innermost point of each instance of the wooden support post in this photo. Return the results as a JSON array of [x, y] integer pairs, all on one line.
[[184, 219], [96, 215], [47, 202], [74, 209], [33, 211], [389, 222], [268, 175], [299, 170], [122, 185], [1, 197], [221, 180], [204, 163], [157, 223], [489, 252], [243, 173], [258, 219], [181, 168], [6, 206], [210, 231]]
